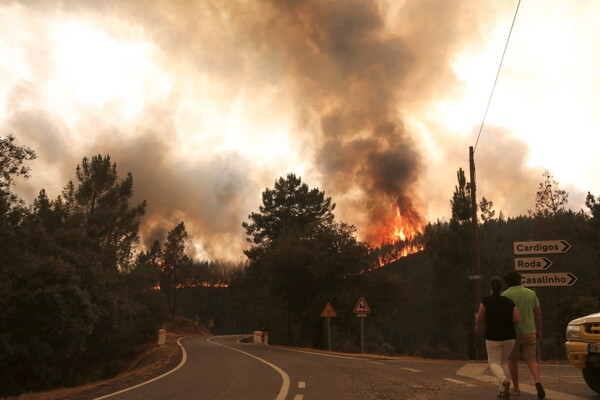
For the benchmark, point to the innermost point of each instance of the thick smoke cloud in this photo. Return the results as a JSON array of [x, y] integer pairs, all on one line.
[[347, 72]]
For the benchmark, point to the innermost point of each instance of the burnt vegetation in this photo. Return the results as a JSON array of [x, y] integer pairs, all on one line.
[[79, 298]]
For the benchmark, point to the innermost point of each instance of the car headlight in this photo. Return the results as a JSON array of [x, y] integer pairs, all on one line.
[[573, 332]]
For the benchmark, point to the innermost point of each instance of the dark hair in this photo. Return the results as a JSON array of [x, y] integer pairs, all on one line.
[[496, 286], [512, 278]]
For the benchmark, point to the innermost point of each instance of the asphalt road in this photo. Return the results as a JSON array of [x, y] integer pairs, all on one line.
[[222, 368]]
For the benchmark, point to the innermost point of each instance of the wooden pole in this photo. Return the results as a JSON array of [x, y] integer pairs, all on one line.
[[475, 246]]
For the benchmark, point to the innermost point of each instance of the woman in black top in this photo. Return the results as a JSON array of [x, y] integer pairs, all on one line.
[[500, 316]]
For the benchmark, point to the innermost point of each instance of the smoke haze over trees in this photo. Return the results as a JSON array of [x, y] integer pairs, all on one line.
[[212, 100], [78, 295]]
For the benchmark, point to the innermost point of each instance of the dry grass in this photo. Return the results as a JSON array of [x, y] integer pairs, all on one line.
[[153, 361]]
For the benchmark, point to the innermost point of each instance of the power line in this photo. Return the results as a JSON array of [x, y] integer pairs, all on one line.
[[497, 75]]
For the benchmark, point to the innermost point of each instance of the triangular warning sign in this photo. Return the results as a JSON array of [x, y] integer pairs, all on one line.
[[361, 307], [328, 311]]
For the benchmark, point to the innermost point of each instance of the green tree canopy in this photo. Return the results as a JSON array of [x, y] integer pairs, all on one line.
[[290, 205], [550, 199], [11, 161], [174, 262], [461, 203], [99, 205], [486, 208]]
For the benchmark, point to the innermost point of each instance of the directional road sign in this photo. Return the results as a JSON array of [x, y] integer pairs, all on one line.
[[541, 247], [548, 279], [532, 263]]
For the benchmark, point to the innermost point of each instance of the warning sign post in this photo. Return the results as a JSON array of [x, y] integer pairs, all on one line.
[[361, 309], [328, 313]]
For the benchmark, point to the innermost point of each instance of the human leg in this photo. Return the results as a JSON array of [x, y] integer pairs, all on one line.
[[513, 364], [494, 352], [497, 356], [507, 349], [529, 350]]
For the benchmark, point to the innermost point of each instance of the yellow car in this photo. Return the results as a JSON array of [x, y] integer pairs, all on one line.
[[583, 348]]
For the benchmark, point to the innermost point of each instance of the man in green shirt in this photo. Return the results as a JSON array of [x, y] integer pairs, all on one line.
[[528, 331]]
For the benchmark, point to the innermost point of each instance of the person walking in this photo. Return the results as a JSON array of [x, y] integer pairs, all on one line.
[[528, 331], [500, 316]]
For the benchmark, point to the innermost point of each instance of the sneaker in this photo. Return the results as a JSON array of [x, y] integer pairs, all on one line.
[[515, 392], [541, 393]]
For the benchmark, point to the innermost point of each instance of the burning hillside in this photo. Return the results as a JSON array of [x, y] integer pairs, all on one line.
[[399, 235]]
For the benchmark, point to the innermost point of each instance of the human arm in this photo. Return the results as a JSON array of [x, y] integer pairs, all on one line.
[[516, 317], [537, 316], [480, 318]]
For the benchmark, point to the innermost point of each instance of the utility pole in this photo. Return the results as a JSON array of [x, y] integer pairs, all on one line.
[[475, 246]]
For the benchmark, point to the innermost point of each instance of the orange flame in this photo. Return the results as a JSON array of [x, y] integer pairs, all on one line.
[[400, 228], [399, 236]]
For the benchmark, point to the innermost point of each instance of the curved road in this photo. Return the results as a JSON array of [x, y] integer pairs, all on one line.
[[221, 367]]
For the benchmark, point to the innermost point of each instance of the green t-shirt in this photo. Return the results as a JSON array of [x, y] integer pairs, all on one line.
[[526, 300]]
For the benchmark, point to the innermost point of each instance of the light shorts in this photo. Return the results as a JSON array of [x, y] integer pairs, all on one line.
[[525, 346]]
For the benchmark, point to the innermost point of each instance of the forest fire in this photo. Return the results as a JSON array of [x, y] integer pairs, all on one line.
[[191, 284], [401, 227], [400, 235]]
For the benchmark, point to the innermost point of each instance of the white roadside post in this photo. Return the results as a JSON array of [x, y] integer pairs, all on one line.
[[162, 336]]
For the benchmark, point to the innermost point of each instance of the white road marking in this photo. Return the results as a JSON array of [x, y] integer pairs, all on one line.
[[412, 370], [476, 371], [285, 386], [181, 363], [301, 385], [375, 362], [321, 354], [458, 382], [550, 394]]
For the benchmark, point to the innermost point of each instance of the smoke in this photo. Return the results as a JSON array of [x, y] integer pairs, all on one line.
[[324, 85]]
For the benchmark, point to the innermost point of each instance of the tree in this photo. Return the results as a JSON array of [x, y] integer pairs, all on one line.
[[11, 161], [550, 199], [290, 205], [594, 206], [299, 250], [12, 210], [99, 204], [174, 263], [461, 202], [487, 214]]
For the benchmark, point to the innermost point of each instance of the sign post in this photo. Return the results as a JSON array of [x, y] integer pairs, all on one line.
[[537, 247], [361, 309], [328, 313]]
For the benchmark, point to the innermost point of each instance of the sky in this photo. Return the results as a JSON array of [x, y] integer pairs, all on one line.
[[207, 103]]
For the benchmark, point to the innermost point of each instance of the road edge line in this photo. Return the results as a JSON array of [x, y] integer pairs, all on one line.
[[183, 361], [285, 386]]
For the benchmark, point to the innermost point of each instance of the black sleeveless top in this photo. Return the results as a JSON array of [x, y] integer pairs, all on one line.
[[498, 318]]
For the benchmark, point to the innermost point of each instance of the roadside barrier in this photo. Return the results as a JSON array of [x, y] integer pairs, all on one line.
[[162, 336], [261, 337]]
